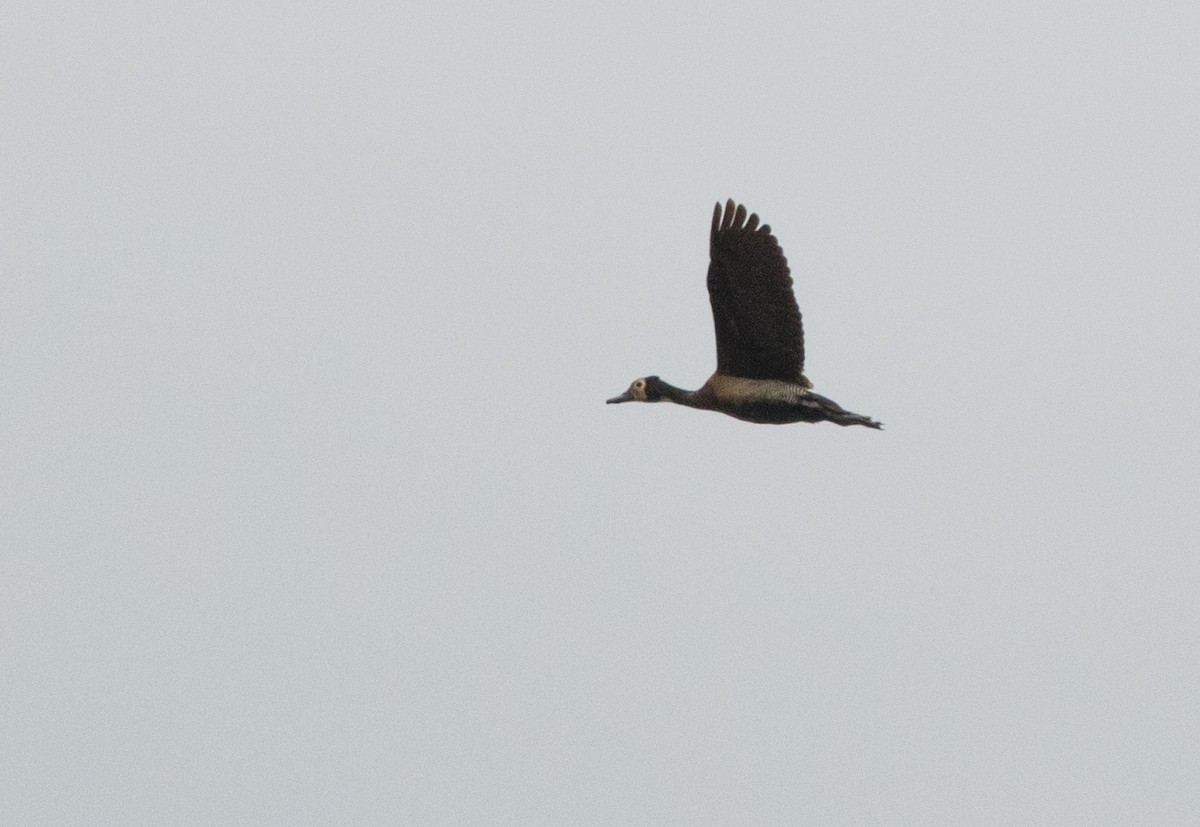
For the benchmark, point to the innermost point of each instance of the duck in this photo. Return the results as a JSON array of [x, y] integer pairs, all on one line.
[[760, 338]]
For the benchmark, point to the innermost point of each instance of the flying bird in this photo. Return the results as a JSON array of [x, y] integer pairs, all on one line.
[[760, 340]]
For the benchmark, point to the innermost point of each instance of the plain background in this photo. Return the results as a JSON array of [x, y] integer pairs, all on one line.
[[312, 511]]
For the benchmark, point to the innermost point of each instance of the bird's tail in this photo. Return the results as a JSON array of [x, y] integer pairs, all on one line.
[[836, 413], [848, 418]]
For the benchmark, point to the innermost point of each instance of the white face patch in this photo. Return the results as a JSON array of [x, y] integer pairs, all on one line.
[[638, 390]]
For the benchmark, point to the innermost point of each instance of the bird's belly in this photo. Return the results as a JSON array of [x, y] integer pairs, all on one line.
[[775, 413], [766, 401]]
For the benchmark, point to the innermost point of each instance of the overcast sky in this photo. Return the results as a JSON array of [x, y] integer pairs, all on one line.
[[313, 513]]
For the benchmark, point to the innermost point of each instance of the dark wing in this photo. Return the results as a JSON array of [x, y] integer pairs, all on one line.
[[757, 322]]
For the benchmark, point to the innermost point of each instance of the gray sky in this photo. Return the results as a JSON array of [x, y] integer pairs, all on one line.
[[312, 511]]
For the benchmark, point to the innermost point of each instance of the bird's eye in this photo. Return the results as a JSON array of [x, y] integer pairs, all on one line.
[[639, 384]]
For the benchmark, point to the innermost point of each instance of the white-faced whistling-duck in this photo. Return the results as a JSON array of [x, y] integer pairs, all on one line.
[[760, 341]]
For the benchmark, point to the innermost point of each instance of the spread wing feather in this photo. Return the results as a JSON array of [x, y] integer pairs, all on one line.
[[757, 321]]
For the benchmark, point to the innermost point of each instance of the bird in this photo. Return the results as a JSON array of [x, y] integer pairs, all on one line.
[[760, 339]]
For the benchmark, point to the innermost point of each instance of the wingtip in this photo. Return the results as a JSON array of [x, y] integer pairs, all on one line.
[[734, 216], [730, 209]]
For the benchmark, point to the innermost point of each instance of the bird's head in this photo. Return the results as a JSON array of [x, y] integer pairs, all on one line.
[[645, 389]]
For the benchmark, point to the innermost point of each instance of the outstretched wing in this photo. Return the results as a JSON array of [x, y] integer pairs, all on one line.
[[759, 335]]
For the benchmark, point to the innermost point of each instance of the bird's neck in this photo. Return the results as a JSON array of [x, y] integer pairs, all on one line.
[[679, 396]]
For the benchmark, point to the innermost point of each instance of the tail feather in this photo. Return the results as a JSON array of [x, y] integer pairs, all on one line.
[[836, 413], [848, 418]]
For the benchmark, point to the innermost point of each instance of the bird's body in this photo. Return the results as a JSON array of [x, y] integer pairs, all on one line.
[[760, 339]]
